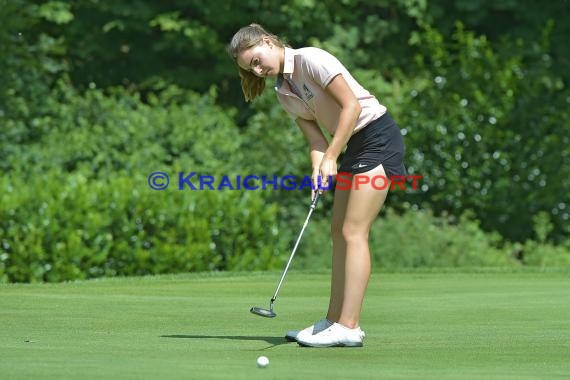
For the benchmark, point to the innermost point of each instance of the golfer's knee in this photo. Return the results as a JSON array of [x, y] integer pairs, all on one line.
[[352, 232]]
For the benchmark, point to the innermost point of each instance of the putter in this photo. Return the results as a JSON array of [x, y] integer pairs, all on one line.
[[269, 313]]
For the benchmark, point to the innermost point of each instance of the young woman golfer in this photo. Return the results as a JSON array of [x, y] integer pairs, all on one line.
[[318, 91]]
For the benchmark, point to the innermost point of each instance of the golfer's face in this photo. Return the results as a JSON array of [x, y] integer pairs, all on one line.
[[262, 59]]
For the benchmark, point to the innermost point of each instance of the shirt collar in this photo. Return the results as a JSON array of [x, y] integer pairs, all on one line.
[[289, 61]]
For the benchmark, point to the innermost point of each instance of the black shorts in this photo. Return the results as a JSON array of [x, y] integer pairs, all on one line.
[[380, 142]]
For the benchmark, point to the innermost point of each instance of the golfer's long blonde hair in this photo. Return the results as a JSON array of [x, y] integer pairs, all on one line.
[[246, 38]]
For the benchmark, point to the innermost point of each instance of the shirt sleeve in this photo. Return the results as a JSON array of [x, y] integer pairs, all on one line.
[[322, 67]]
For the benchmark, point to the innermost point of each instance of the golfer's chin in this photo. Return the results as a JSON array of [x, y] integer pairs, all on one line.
[[269, 74]]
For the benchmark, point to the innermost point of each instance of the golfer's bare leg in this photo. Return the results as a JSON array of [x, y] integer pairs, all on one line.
[[339, 254], [361, 210]]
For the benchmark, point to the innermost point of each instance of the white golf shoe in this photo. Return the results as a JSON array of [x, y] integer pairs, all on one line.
[[319, 326], [336, 335]]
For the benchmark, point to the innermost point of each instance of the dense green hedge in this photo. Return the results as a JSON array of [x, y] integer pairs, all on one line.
[[77, 204], [65, 226]]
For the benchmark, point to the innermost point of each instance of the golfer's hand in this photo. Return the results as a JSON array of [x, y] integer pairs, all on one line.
[[327, 171]]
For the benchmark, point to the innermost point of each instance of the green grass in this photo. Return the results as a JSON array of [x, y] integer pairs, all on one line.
[[488, 324]]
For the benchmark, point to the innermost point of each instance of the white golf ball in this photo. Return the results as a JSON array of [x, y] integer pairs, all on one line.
[[262, 361]]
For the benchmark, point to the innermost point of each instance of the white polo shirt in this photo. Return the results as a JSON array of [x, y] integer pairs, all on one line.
[[311, 70]]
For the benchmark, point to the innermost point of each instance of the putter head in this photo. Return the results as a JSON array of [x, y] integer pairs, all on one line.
[[263, 312]]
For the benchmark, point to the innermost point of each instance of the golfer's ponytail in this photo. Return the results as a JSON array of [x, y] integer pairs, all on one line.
[[246, 38]]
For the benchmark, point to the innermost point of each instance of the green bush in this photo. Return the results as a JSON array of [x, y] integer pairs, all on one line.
[[415, 239], [418, 239], [78, 205], [101, 134], [538, 254], [540, 251], [64, 226]]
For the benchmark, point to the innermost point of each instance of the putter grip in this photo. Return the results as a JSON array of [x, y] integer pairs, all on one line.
[[315, 200]]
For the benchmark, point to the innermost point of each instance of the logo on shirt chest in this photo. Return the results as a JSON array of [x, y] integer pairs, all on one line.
[[308, 93]]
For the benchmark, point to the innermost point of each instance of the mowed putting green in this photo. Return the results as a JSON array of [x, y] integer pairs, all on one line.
[[491, 325]]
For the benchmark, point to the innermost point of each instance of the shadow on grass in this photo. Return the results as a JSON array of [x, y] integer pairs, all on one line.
[[273, 340]]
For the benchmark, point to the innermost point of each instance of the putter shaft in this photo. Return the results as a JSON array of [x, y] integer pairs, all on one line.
[[312, 208]]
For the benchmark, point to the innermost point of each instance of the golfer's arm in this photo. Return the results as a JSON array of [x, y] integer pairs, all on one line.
[[350, 110], [317, 142]]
